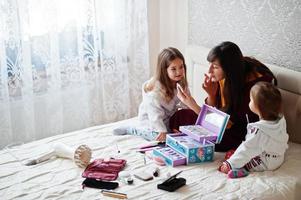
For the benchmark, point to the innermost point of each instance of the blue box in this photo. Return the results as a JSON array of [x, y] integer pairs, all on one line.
[[194, 151]]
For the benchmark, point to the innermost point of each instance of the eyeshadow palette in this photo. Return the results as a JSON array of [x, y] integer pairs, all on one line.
[[170, 156]]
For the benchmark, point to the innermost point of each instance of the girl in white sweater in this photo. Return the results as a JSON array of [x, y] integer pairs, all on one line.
[[159, 97], [266, 140]]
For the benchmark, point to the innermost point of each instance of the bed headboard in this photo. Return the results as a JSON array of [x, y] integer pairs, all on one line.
[[289, 83]]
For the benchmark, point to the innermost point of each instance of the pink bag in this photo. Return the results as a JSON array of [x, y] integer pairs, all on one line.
[[106, 170]]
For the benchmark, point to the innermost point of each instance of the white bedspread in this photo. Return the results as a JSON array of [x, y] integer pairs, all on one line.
[[61, 178]]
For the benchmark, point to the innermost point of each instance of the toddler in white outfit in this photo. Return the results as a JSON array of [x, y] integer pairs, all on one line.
[[266, 140]]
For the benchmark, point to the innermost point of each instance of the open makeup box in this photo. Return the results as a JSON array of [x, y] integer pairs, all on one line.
[[195, 143]]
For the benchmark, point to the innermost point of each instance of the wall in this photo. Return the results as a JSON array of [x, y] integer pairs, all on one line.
[[266, 29], [167, 26], [154, 31]]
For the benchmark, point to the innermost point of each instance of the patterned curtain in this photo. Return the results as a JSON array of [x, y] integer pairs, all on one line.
[[69, 64]]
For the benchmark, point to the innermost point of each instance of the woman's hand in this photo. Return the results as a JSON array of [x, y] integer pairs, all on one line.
[[188, 100], [211, 88], [161, 137]]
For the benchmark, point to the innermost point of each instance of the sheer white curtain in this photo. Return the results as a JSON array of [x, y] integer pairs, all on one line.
[[69, 64]]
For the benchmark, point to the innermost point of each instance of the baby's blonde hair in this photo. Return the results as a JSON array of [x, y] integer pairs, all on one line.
[[267, 98], [165, 57]]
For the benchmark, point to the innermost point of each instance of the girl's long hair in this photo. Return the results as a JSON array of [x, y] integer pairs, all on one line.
[[165, 57], [236, 68]]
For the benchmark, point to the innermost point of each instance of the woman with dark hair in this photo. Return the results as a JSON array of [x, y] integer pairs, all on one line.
[[227, 84]]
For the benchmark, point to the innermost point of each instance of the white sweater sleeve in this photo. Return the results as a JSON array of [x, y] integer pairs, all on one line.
[[247, 150], [156, 115]]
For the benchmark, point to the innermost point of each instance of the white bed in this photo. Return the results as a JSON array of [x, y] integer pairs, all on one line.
[[61, 178]]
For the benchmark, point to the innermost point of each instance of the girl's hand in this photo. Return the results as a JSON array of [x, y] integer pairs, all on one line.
[[175, 131], [188, 100], [209, 86], [161, 137], [184, 97]]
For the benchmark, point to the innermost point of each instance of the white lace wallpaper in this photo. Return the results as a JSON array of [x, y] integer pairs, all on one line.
[[269, 30]]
